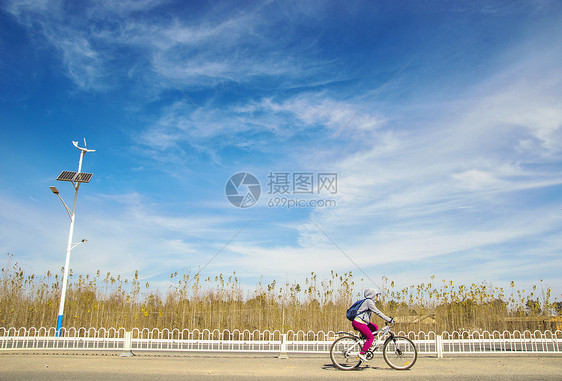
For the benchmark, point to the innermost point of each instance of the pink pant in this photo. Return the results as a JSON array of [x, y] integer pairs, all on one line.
[[367, 331]]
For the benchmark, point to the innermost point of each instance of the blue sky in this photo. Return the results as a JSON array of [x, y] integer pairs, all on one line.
[[442, 121]]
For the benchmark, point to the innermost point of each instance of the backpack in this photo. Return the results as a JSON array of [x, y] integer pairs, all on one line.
[[352, 311]]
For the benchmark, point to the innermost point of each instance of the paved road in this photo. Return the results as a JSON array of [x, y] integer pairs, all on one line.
[[159, 366]]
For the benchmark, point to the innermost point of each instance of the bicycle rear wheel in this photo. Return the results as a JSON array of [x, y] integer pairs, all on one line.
[[344, 353], [399, 352]]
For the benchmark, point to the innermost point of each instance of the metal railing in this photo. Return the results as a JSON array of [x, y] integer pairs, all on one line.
[[112, 339]]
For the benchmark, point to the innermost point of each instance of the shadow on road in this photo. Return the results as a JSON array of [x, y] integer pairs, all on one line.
[[331, 367]]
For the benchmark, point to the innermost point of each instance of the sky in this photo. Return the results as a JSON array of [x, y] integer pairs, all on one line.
[[278, 138]]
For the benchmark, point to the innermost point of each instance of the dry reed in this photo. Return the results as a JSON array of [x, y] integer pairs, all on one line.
[[105, 300]]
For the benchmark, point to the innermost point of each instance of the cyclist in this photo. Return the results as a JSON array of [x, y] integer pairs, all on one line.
[[362, 320]]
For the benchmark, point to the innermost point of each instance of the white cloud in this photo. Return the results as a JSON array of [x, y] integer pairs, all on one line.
[[451, 184], [27, 232], [225, 45], [314, 109], [428, 181], [477, 179], [124, 7], [84, 64]]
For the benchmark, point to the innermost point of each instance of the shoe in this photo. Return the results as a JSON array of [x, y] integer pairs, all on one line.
[[362, 357]]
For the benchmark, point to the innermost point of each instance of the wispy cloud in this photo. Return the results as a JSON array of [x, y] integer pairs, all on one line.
[[224, 46], [422, 189], [450, 160], [83, 62]]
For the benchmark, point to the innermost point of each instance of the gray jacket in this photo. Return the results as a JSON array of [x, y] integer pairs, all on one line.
[[368, 307]]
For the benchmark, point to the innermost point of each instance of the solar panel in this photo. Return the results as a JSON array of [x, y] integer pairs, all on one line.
[[79, 177], [83, 177], [66, 176]]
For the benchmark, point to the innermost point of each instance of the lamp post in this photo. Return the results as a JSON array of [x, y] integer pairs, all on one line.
[[76, 178]]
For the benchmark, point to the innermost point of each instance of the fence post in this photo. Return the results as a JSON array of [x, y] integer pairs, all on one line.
[[127, 345], [283, 355], [439, 346]]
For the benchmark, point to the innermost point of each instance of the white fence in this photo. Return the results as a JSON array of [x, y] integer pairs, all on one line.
[[267, 341]]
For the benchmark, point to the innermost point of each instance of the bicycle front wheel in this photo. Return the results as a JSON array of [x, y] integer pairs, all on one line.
[[344, 353], [399, 352]]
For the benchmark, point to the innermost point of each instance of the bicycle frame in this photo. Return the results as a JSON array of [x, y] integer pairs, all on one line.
[[380, 338]]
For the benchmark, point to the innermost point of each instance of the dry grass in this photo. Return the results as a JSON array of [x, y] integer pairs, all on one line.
[[105, 300]]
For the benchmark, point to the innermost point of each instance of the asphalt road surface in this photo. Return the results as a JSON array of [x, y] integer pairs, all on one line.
[[202, 366]]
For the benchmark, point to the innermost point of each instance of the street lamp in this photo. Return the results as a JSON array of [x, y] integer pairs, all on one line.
[[76, 178]]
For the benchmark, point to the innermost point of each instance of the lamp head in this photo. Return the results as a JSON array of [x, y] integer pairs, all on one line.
[[54, 190]]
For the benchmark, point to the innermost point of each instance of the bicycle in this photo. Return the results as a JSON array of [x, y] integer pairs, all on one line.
[[399, 352]]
